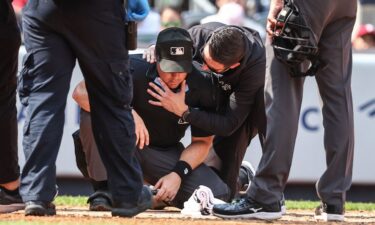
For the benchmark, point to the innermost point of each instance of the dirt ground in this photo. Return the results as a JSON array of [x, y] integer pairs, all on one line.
[[171, 217]]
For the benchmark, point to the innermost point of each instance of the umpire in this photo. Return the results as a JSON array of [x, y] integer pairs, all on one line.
[[57, 33], [10, 41], [326, 25]]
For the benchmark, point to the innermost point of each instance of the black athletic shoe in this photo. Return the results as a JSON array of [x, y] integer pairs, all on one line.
[[247, 208], [247, 170], [100, 201], [6, 199], [10, 202], [39, 208], [124, 209], [327, 212]]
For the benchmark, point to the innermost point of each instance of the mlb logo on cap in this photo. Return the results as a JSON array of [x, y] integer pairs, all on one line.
[[177, 50], [174, 50]]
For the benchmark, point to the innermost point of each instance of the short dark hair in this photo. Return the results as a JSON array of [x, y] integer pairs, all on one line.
[[227, 45]]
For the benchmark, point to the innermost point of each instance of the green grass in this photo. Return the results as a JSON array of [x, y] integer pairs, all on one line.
[[349, 206], [71, 200]]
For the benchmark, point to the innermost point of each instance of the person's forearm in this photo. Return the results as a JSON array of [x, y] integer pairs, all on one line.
[[197, 151], [218, 124]]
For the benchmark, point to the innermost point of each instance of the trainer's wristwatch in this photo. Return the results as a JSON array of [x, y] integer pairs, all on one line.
[[184, 116]]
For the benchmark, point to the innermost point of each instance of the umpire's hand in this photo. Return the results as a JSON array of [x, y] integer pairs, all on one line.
[[141, 132], [168, 187]]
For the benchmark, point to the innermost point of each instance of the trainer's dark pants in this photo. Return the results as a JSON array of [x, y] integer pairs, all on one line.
[[155, 162], [57, 33], [9, 45], [231, 149]]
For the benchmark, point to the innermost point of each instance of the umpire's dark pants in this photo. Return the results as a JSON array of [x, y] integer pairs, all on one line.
[[57, 33], [155, 162], [9, 44]]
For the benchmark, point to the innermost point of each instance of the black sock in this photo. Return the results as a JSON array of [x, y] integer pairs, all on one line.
[[242, 177], [14, 192], [99, 185]]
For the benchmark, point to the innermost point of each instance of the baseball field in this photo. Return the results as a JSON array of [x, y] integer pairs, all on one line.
[[73, 210]]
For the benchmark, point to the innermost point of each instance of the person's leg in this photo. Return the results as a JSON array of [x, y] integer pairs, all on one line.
[[104, 64], [10, 200], [334, 82], [283, 97], [332, 26], [43, 87], [232, 164], [101, 199], [9, 45], [95, 167], [158, 163]]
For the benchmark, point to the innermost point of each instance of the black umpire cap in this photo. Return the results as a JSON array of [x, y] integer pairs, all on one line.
[[174, 49]]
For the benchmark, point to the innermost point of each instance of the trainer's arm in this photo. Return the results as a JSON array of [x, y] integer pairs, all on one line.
[[81, 96]]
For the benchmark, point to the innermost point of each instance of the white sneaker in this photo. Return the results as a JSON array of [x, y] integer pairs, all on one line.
[[327, 213]]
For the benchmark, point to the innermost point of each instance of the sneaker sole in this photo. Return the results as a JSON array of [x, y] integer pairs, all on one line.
[[330, 217], [130, 212], [39, 211], [9, 208], [260, 215], [100, 208]]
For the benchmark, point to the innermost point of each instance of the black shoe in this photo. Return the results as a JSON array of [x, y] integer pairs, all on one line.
[[7, 199], [327, 212], [10, 202], [124, 209], [39, 208], [247, 171], [247, 208], [100, 201]]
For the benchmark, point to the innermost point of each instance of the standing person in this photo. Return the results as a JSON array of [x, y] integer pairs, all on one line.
[[57, 33], [162, 156], [235, 56], [323, 25], [10, 42]]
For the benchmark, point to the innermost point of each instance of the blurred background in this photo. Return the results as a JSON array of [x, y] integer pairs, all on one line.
[[309, 157]]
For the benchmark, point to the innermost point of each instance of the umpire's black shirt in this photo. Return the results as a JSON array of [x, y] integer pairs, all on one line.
[[163, 126], [238, 85]]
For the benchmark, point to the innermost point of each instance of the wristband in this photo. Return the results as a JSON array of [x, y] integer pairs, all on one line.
[[183, 169]]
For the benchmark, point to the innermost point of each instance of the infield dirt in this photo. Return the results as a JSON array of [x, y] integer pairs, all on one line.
[[79, 215]]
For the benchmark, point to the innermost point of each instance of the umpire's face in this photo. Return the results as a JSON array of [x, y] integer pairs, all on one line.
[[171, 79]]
